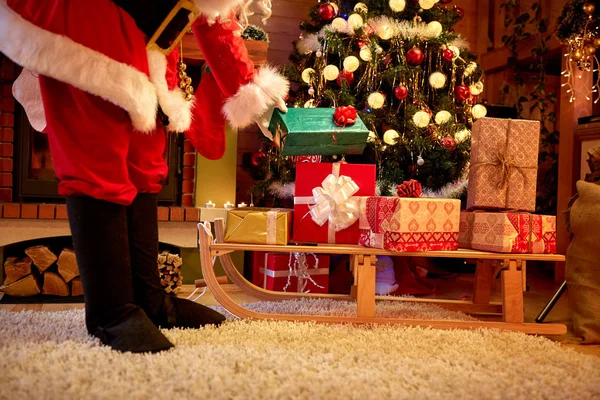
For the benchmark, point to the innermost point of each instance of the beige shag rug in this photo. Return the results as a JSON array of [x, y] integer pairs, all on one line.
[[49, 356]]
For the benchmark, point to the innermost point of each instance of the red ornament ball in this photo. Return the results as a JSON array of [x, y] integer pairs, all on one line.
[[346, 76], [401, 92], [449, 143], [361, 43], [460, 13], [448, 55], [256, 158], [345, 115], [462, 92], [415, 56], [326, 12]]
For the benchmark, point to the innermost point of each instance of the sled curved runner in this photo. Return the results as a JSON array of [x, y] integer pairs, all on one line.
[[364, 290]]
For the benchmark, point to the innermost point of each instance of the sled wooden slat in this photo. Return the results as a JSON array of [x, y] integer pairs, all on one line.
[[362, 260]]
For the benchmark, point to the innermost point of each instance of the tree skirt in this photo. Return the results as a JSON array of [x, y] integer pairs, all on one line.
[[48, 355]]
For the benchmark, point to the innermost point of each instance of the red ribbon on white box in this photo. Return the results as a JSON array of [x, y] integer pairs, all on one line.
[[333, 203]]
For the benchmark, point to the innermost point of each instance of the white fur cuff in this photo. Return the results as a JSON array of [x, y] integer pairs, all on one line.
[[255, 98], [212, 9]]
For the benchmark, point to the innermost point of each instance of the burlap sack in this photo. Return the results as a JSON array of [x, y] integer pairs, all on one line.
[[583, 263]]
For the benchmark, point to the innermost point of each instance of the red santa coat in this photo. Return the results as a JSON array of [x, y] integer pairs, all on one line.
[[98, 81]]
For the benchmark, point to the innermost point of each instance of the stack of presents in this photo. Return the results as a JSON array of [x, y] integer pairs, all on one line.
[[336, 203]]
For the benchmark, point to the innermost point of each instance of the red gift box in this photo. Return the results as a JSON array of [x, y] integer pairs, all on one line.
[[296, 272], [312, 176]]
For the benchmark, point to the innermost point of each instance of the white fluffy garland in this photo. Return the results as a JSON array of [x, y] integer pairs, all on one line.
[[282, 190]]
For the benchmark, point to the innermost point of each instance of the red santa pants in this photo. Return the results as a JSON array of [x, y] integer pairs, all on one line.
[[95, 150]]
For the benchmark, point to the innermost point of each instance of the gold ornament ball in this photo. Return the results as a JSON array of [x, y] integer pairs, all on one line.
[[462, 135], [455, 50], [427, 4], [376, 100], [335, 8], [351, 63], [434, 29], [365, 53], [476, 88], [391, 136], [589, 8], [397, 5], [437, 80], [361, 7], [385, 32], [479, 111], [577, 55], [331, 72], [596, 42], [442, 117], [307, 74], [355, 21], [421, 119], [310, 104], [590, 49], [339, 24]]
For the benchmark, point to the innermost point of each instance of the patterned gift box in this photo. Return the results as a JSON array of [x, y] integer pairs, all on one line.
[[504, 160], [508, 232], [409, 224], [256, 225], [296, 272], [311, 131], [319, 220]]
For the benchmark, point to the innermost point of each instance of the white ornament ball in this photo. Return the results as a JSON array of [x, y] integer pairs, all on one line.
[[335, 8], [339, 24], [311, 91], [434, 29], [372, 137], [365, 53], [378, 50], [476, 88], [479, 111], [427, 4], [442, 117], [376, 100], [420, 161], [307, 75], [361, 7], [319, 53], [351, 63], [455, 50], [421, 119], [471, 68], [310, 104], [462, 135], [391, 137], [437, 80], [331, 72], [397, 5], [355, 21], [385, 32]]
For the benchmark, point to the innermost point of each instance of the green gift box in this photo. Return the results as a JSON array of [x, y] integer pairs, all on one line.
[[311, 131]]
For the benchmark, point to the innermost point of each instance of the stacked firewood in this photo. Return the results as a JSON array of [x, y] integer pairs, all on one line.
[[169, 269], [41, 271]]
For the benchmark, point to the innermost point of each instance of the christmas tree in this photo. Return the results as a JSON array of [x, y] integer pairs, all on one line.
[[408, 74]]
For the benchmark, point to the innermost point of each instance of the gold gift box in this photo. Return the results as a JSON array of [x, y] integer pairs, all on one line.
[[259, 226]]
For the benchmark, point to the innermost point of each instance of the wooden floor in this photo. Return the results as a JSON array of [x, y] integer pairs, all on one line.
[[541, 290]]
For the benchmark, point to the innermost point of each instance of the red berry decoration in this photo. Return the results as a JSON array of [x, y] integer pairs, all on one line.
[[448, 55], [462, 92], [344, 116], [361, 43], [256, 158], [326, 12], [346, 76], [449, 143], [415, 56], [401, 92], [459, 12]]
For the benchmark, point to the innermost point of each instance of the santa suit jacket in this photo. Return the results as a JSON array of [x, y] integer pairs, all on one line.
[[232, 91]]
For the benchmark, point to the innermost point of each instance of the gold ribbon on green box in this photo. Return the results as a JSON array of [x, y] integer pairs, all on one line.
[[259, 226]]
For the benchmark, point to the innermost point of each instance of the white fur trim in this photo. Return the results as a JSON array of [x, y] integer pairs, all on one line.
[[255, 98], [213, 9], [172, 102], [61, 58]]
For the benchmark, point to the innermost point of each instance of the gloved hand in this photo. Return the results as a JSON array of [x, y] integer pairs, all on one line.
[[265, 119]]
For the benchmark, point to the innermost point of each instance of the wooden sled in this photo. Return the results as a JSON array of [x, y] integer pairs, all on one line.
[[510, 266]]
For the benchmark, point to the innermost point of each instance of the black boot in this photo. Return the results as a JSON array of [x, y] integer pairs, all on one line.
[[99, 230], [166, 310]]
